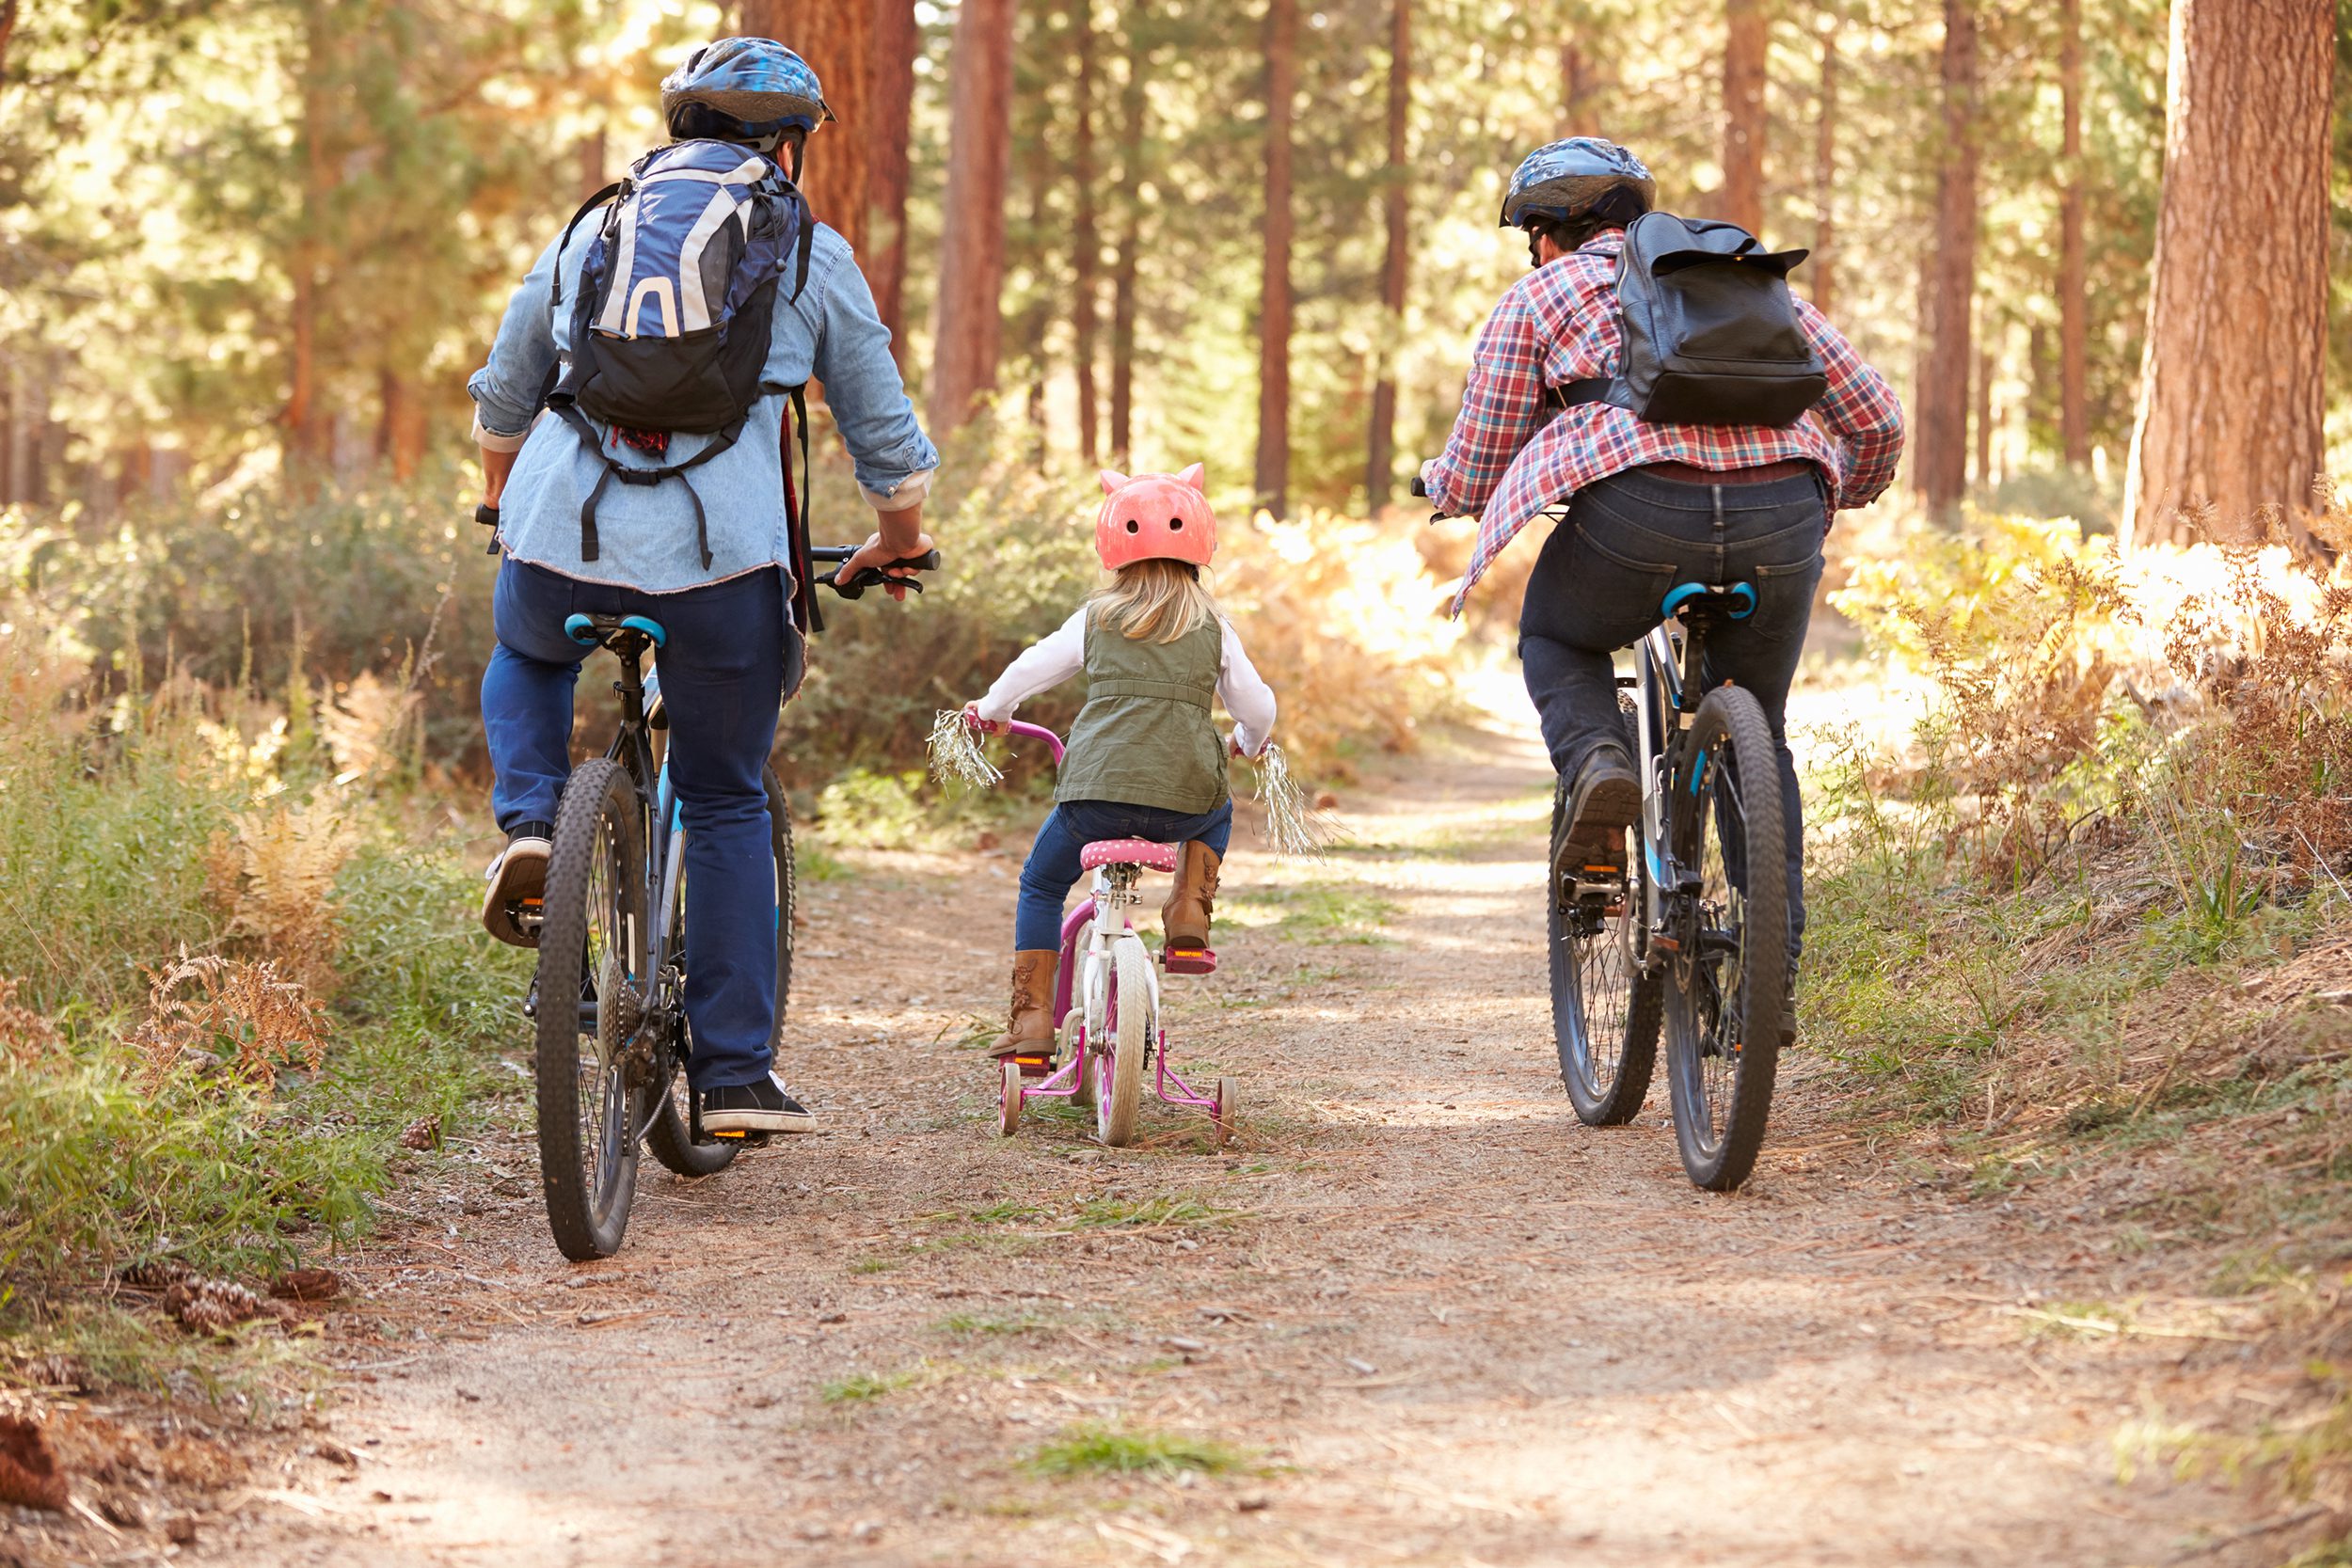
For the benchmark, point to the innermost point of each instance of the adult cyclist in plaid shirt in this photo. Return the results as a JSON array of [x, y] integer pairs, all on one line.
[[1649, 505]]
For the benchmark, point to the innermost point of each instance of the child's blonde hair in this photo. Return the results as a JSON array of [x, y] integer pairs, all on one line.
[[1156, 599]]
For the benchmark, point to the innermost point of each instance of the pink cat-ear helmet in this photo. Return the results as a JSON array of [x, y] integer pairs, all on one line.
[[1155, 517]]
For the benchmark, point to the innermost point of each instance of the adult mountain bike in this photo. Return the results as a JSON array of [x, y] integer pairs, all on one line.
[[1691, 927], [608, 1001]]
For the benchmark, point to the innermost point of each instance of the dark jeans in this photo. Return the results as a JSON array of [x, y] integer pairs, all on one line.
[[722, 681], [1597, 588], [1052, 869]]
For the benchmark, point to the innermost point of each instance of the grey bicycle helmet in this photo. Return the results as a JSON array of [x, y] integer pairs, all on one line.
[[1573, 179], [743, 89]]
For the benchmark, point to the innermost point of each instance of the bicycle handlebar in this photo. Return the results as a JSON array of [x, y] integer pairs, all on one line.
[[872, 576], [1015, 726]]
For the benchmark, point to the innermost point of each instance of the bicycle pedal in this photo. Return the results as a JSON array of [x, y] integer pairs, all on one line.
[[1189, 961], [1034, 1066]]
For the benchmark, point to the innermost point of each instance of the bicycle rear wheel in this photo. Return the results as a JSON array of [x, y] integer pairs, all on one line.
[[1604, 1008], [1724, 1008], [671, 1133], [592, 963], [1131, 1023]]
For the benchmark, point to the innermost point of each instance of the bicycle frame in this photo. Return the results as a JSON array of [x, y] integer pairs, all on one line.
[[1669, 678]]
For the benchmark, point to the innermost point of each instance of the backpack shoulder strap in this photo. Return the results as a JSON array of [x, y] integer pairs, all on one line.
[[566, 243]]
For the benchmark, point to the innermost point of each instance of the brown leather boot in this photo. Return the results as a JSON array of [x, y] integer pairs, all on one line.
[[1029, 1021], [1185, 918]]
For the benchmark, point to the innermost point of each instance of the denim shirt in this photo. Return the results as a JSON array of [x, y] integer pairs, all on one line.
[[831, 333]]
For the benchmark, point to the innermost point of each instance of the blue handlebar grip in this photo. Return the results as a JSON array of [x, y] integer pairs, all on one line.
[[1746, 594], [581, 630], [651, 629]]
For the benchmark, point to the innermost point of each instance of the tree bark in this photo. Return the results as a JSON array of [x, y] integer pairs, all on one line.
[[896, 40], [1036, 174], [1941, 468], [1380, 445], [836, 38], [400, 436], [1132, 104], [2231, 390], [1821, 266], [1274, 316], [2073, 288], [7, 31], [1746, 52], [305, 438], [967, 339], [1086, 244]]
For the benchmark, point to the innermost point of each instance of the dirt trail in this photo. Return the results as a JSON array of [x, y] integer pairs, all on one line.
[[1444, 1322]]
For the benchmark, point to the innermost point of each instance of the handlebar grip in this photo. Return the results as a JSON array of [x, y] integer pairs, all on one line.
[[1419, 488], [488, 518], [874, 578]]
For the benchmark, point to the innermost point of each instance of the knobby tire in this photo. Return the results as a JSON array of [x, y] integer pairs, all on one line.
[[1723, 1087], [597, 856]]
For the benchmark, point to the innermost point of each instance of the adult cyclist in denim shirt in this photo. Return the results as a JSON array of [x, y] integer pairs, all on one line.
[[732, 652]]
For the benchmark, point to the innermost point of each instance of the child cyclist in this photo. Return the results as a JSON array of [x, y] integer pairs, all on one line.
[[1144, 759]]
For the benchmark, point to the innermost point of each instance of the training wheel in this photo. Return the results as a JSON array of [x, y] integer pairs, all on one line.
[[1221, 1119], [1009, 1105]]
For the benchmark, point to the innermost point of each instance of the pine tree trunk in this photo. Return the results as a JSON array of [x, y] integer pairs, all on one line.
[[1132, 104], [1036, 174], [15, 430], [2073, 288], [1274, 317], [1746, 52], [1086, 244], [304, 430], [836, 38], [967, 339], [400, 436], [896, 40], [1940, 469], [594, 152], [1821, 266], [1380, 445], [2231, 390], [7, 31]]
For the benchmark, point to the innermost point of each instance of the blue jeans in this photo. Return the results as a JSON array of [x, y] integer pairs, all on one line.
[[1596, 587], [1052, 869], [722, 681]]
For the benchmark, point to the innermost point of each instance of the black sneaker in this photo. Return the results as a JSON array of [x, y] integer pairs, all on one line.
[[761, 1106], [1604, 801]]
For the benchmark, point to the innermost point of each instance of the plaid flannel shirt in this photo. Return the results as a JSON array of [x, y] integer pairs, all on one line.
[[1559, 324]]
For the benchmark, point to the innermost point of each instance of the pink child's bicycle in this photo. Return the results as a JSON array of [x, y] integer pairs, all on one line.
[[1106, 1004]]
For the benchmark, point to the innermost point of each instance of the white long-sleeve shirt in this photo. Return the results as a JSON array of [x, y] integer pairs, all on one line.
[[1048, 663]]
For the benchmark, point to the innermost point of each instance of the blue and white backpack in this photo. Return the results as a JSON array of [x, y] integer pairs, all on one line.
[[670, 327]]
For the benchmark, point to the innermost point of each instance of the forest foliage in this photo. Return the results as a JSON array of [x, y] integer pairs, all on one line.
[[237, 231]]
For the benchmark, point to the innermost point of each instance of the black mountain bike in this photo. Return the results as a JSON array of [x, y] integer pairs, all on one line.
[[1696, 925], [608, 1000]]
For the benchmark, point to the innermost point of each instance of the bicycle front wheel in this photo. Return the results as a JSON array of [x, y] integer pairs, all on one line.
[[1604, 1007], [592, 964], [1132, 1019], [671, 1133], [1724, 1008]]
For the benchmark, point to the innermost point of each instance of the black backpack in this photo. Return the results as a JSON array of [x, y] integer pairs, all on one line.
[[670, 327], [1710, 330]]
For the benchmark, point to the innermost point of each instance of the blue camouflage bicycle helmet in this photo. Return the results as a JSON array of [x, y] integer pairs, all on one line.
[[1571, 178], [743, 89]]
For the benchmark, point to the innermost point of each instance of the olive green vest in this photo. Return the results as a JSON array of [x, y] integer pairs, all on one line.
[[1145, 737]]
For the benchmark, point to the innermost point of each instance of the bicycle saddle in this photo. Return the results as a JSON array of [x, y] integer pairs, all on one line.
[[1128, 851], [1736, 600]]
